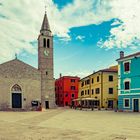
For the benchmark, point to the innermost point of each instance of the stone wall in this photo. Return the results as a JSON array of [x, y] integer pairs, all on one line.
[[27, 77], [18, 69]]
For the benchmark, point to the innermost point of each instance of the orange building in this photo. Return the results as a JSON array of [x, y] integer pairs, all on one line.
[[66, 89]]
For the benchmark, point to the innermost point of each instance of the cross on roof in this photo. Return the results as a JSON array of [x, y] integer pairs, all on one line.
[[45, 6], [15, 55]]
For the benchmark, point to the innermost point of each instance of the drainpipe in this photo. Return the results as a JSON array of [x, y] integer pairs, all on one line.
[[90, 87], [101, 89], [90, 91]]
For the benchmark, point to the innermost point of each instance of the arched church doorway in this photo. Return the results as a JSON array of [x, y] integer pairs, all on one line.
[[16, 96]]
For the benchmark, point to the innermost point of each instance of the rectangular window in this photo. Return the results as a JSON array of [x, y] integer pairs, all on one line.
[[66, 95], [85, 92], [97, 90], [92, 80], [127, 66], [97, 78], [88, 91], [88, 81], [73, 80], [110, 78], [82, 93], [72, 95], [126, 103], [66, 103], [127, 85], [72, 87], [92, 91], [82, 84], [110, 90]]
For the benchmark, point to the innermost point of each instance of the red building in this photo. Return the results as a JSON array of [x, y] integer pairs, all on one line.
[[66, 89]]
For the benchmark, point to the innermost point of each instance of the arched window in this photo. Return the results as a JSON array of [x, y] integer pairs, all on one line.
[[44, 42], [16, 88], [48, 43]]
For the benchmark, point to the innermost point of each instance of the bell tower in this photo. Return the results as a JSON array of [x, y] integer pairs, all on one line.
[[45, 65]]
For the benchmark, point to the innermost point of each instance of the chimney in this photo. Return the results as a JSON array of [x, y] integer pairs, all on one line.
[[60, 75], [121, 54]]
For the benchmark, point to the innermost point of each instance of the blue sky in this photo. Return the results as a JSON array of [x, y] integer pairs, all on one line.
[[88, 35], [62, 3]]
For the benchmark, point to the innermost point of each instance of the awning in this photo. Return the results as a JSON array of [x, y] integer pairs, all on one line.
[[85, 99], [111, 99], [78, 99], [89, 99]]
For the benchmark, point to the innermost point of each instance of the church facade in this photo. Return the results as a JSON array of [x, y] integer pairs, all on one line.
[[25, 87]]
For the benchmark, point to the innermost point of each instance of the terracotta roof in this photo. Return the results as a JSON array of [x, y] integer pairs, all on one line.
[[109, 70], [103, 70], [74, 77], [135, 54]]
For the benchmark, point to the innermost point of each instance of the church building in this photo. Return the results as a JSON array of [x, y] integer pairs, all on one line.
[[25, 87]]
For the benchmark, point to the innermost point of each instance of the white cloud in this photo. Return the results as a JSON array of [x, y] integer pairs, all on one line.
[[128, 33], [80, 37], [116, 22], [23, 20]]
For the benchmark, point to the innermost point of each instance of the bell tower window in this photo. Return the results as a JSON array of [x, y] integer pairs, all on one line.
[[44, 42], [48, 43]]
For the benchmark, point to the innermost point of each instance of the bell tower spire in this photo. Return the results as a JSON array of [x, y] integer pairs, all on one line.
[[45, 64], [45, 24]]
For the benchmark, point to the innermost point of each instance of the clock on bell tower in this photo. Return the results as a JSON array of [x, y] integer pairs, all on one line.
[[45, 65]]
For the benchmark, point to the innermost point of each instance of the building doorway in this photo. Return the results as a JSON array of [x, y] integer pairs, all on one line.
[[47, 104], [136, 105], [96, 103], [110, 104], [16, 100], [72, 103], [66, 103], [16, 96]]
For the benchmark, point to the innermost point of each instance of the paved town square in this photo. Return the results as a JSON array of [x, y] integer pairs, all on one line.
[[69, 124]]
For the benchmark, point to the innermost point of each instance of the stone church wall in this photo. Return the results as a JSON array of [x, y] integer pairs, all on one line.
[[28, 78], [30, 92]]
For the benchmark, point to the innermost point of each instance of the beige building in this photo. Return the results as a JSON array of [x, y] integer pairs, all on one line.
[[25, 87], [100, 88]]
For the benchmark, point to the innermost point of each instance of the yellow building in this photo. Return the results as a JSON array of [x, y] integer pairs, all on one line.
[[100, 88]]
